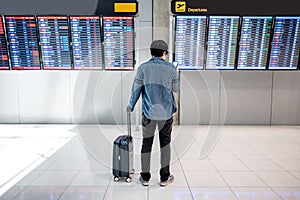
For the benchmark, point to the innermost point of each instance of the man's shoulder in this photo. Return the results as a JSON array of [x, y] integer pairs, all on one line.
[[169, 64]]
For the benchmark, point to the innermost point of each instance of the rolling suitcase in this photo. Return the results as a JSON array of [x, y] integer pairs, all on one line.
[[123, 154]]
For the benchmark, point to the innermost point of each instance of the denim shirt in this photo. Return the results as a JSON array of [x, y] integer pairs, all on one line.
[[156, 80]]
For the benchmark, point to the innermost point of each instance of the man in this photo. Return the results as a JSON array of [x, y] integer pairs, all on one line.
[[156, 80]]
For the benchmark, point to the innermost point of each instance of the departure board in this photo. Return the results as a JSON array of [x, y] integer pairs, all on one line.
[[190, 42], [4, 63], [222, 41], [86, 42], [23, 42], [285, 43], [118, 43], [254, 42], [54, 37]]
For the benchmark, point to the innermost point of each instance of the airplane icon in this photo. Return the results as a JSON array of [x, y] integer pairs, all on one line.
[[179, 5]]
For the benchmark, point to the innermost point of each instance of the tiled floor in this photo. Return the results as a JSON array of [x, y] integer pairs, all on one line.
[[74, 162]]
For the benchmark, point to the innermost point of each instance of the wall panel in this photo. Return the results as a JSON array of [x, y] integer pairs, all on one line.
[[9, 97], [199, 97], [247, 97], [44, 96], [286, 98]]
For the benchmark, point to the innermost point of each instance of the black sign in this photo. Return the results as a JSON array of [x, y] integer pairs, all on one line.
[[23, 42], [86, 42], [286, 43], [254, 42], [118, 43], [54, 37], [4, 63], [235, 7], [222, 41], [190, 42]]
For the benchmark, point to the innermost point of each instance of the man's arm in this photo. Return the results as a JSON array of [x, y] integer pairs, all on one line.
[[136, 90], [175, 82]]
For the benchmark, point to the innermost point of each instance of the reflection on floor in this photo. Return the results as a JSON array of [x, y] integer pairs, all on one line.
[[208, 162]]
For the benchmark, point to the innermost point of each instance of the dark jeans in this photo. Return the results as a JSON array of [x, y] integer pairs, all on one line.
[[165, 129]]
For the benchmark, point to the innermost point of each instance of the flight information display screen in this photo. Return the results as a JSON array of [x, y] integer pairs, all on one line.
[[222, 42], [254, 42], [54, 38], [190, 42], [86, 42], [23, 42], [285, 43], [118, 43], [4, 63]]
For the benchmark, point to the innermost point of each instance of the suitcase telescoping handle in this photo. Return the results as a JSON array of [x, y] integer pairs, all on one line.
[[129, 123]]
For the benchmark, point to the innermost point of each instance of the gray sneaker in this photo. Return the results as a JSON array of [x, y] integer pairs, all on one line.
[[167, 182], [144, 183]]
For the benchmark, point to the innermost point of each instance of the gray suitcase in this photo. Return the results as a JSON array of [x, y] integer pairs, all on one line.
[[123, 154]]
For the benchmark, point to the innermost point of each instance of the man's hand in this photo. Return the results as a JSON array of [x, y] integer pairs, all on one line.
[[128, 109]]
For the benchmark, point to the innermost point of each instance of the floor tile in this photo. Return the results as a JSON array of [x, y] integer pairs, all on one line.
[[41, 192], [188, 153], [289, 165], [250, 193], [238, 147], [296, 174], [279, 179], [248, 154], [83, 192], [200, 193], [12, 192], [242, 179], [229, 165], [91, 178], [175, 165], [277, 154], [169, 193], [29, 178], [54, 178], [47, 163], [262, 165], [197, 165], [221, 155], [204, 179], [132, 193], [229, 139], [294, 153], [93, 164], [288, 193], [66, 162]]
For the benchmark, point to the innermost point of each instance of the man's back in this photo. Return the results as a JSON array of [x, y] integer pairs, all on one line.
[[158, 71], [160, 80]]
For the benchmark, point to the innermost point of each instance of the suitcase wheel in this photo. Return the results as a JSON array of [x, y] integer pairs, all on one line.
[[116, 179], [128, 179]]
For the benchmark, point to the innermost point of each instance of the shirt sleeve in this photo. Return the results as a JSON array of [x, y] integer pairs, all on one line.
[[175, 82], [136, 89]]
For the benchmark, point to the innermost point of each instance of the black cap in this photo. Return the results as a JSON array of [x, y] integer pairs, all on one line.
[[159, 44]]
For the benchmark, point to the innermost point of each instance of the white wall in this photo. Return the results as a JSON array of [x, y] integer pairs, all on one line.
[[240, 97]]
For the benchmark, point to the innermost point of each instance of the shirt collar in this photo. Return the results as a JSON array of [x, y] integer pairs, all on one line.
[[156, 58]]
